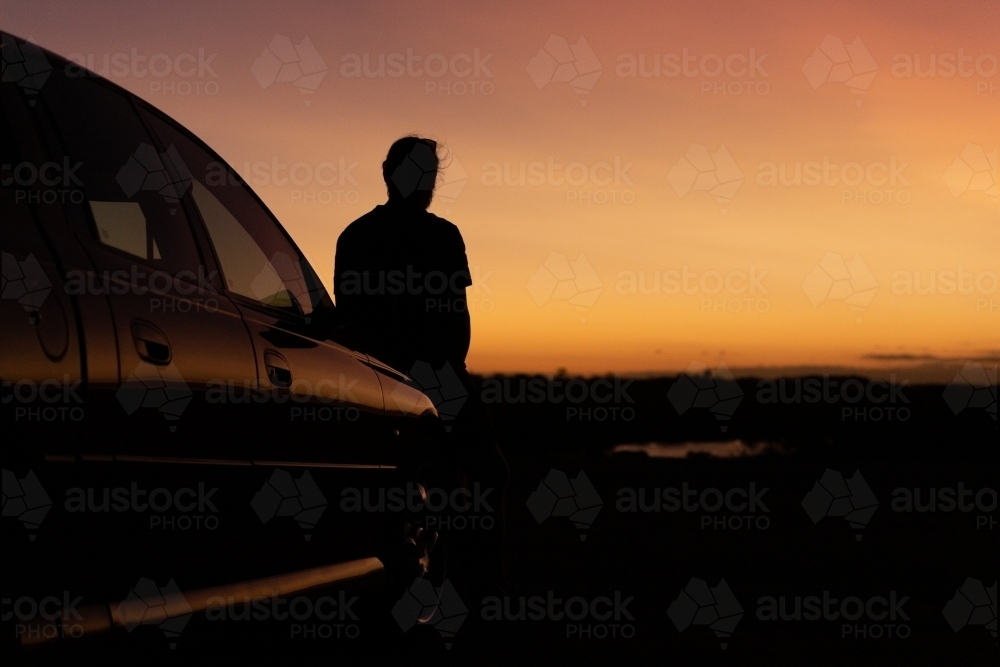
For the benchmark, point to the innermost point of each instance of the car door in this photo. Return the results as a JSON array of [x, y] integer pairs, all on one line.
[[44, 400], [176, 460], [319, 412], [40, 355]]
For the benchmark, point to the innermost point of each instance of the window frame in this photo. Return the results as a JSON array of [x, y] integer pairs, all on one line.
[[82, 225], [325, 302]]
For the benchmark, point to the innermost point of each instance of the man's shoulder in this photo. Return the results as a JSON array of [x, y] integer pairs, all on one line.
[[383, 222], [363, 230], [383, 213], [365, 221], [442, 226]]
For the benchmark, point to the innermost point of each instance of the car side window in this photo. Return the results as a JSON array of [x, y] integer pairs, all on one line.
[[257, 259], [132, 188]]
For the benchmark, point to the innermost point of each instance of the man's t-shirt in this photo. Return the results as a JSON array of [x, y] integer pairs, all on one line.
[[399, 278]]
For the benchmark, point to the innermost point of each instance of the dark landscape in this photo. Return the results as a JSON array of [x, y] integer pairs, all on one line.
[[771, 550]]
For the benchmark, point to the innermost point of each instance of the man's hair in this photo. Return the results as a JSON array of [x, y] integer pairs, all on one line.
[[411, 168]]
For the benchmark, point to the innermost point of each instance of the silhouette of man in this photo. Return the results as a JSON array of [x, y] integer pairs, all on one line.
[[400, 273], [400, 277]]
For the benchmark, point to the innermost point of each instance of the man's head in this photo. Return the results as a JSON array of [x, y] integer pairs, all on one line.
[[410, 170]]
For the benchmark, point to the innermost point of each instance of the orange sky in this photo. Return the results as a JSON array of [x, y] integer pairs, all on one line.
[[937, 217]]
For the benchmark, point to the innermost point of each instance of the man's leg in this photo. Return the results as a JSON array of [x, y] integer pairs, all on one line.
[[474, 446]]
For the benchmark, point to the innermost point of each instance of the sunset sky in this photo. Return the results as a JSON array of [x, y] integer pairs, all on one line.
[[834, 84]]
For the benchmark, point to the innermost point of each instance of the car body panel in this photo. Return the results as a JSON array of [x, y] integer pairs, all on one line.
[[220, 429]]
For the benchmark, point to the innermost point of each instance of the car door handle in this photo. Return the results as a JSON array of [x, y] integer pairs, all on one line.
[[150, 343], [278, 371]]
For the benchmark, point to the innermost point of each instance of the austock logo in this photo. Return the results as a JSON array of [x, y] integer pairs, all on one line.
[[717, 392], [833, 279], [974, 386], [833, 496], [735, 509], [719, 74], [558, 496], [297, 64], [945, 66], [23, 64], [149, 604], [947, 499], [417, 172], [283, 496], [442, 386], [577, 611], [735, 291], [599, 399], [422, 171], [157, 387], [164, 173], [973, 604], [283, 280], [703, 171], [467, 74], [861, 400], [715, 607], [836, 62], [325, 182], [44, 619], [860, 617], [183, 509], [25, 281], [947, 282], [435, 508], [311, 618], [47, 182], [883, 182], [598, 182], [159, 285], [974, 170], [195, 71], [559, 62], [438, 607], [558, 279], [26, 500]]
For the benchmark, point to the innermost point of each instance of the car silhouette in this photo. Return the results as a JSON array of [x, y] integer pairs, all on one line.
[[173, 384]]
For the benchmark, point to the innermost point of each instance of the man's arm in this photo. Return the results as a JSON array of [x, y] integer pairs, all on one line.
[[346, 278], [458, 321], [348, 294]]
